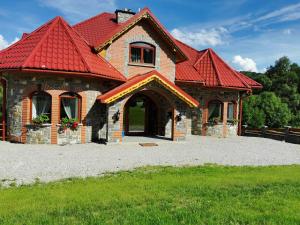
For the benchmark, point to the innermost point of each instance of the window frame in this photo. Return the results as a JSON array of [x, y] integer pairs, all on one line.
[[31, 103], [70, 95], [135, 45], [222, 109], [234, 116]]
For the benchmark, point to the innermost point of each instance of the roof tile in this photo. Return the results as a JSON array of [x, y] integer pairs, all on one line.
[[56, 46]]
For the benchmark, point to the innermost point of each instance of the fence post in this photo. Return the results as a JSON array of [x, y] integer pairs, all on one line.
[[286, 132], [264, 131]]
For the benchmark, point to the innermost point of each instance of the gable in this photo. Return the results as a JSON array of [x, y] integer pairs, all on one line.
[[111, 30], [118, 52]]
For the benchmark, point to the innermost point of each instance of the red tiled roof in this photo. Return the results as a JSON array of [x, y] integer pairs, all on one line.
[[56, 46], [208, 68], [139, 81], [103, 28], [96, 29]]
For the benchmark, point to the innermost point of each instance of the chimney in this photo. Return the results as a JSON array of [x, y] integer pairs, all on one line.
[[122, 15]]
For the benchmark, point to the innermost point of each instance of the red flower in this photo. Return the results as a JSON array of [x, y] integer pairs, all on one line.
[[74, 125]]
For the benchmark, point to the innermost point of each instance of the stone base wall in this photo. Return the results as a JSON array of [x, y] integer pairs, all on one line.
[[38, 134], [215, 130], [231, 130], [69, 136], [199, 117], [19, 90]]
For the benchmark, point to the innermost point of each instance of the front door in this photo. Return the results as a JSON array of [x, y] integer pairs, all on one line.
[[140, 116]]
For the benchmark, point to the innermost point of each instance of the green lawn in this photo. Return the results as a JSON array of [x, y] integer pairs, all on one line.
[[157, 195]]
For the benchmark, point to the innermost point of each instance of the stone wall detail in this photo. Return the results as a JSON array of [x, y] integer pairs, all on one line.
[[38, 134]]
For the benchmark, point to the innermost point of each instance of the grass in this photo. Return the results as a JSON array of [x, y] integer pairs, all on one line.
[[161, 195]]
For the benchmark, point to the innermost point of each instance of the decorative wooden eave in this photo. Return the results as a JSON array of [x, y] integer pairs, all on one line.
[[141, 80], [145, 14]]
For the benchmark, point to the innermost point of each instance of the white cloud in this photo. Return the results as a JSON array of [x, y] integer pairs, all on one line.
[[201, 37], [245, 64], [77, 10], [289, 12], [287, 31], [4, 43]]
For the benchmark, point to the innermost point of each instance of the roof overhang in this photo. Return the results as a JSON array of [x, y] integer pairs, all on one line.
[[145, 14], [140, 81]]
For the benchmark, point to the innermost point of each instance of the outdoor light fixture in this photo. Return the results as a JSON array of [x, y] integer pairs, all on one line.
[[116, 116], [169, 115], [179, 117]]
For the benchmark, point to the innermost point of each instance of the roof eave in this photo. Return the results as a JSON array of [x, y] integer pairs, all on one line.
[[73, 73], [145, 15]]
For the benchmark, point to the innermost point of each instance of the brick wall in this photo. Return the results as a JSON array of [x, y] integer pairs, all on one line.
[[118, 52]]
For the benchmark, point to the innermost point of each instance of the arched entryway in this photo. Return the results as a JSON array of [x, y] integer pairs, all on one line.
[[148, 113], [141, 116], [3, 110]]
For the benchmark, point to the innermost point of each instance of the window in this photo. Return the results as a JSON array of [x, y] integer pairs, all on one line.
[[215, 110], [41, 105], [70, 106], [142, 53], [230, 111]]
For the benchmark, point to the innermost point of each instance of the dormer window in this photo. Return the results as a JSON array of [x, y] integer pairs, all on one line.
[[142, 53]]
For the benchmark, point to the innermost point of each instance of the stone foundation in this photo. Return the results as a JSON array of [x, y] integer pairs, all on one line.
[[38, 134], [69, 136]]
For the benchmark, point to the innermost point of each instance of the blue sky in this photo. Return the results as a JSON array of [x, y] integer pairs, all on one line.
[[248, 34]]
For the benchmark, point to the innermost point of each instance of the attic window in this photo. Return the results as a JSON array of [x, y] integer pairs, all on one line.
[[142, 53]]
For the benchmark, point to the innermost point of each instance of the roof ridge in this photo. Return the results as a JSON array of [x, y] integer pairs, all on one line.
[[29, 35], [75, 45], [91, 18], [53, 21], [200, 58], [215, 66], [233, 70], [188, 45]]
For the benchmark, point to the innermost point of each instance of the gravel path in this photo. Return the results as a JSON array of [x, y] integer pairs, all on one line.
[[26, 163]]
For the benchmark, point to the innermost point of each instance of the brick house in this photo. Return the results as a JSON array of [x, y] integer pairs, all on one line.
[[113, 75]]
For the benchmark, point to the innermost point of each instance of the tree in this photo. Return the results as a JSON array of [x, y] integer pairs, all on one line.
[[253, 116], [283, 79], [266, 109], [277, 113]]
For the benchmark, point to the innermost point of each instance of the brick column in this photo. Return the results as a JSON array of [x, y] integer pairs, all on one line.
[[55, 110], [225, 107], [25, 117], [83, 116]]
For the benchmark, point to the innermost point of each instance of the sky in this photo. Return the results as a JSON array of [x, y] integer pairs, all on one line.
[[249, 34]]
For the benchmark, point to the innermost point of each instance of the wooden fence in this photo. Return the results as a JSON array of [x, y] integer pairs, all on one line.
[[291, 135]]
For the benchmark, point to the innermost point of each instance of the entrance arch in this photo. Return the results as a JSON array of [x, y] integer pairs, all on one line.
[[149, 113], [141, 116]]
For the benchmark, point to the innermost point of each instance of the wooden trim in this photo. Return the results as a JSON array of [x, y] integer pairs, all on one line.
[[151, 47], [30, 102], [222, 108], [77, 96]]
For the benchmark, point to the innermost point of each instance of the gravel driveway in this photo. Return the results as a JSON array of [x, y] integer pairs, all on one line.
[[26, 163]]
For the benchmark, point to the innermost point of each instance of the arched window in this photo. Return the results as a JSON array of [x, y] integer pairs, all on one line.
[[231, 111], [215, 110], [142, 53], [41, 105], [70, 106]]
